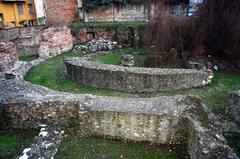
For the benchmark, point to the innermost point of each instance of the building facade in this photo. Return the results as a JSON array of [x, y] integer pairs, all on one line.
[[16, 13]]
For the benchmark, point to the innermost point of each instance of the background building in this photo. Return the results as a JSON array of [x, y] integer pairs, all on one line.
[[16, 13]]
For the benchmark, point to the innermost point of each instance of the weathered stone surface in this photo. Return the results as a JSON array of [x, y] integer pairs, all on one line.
[[28, 40], [203, 143], [127, 60], [163, 120], [8, 55], [133, 79], [60, 12], [87, 34], [129, 12], [233, 108], [160, 120], [54, 41], [21, 68]]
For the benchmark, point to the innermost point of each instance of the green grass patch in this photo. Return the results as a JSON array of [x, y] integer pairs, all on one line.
[[234, 142], [51, 74], [115, 57], [100, 148], [28, 57], [13, 142]]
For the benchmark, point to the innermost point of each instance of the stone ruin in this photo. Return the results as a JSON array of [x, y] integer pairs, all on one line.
[[54, 41], [8, 55], [97, 45], [133, 79], [127, 60], [163, 120]]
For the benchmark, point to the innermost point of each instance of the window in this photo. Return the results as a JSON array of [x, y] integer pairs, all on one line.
[[1, 17], [20, 9], [30, 9]]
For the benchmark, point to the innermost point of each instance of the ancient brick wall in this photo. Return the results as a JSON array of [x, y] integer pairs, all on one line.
[[131, 12], [60, 11], [54, 41]]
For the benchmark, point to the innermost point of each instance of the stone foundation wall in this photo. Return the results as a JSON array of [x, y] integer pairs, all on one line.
[[165, 119], [163, 129], [159, 120], [132, 79], [27, 39]]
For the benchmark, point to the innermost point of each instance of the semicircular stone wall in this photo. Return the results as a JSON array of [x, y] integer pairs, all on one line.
[[132, 79]]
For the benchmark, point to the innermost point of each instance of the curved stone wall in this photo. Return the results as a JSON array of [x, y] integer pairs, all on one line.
[[132, 79], [165, 120]]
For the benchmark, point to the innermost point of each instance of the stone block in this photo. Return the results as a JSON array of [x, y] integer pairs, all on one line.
[[233, 108]]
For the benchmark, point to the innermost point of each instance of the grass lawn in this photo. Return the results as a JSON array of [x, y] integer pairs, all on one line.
[[13, 142], [50, 74], [234, 142], [100, 148], [115, 58], [28, 57]]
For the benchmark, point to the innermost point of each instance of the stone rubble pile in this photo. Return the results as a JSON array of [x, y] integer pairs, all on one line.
[[209, 62], [97, 45], [127, 60], [45, 145]]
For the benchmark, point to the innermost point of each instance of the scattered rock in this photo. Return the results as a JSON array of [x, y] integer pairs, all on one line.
[[97, 45], [45, 144], [195, 65], [209, 62]]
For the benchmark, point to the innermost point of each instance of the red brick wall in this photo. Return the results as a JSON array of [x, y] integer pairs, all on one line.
[[60, 11]]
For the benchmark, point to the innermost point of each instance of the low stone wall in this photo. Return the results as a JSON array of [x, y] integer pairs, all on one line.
[[165, 120], [132, 79], [11, 34]]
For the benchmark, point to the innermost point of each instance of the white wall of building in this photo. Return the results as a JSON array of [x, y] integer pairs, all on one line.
[[40, 11]]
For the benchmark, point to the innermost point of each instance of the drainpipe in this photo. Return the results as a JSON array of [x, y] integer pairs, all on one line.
[[80, 10]]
